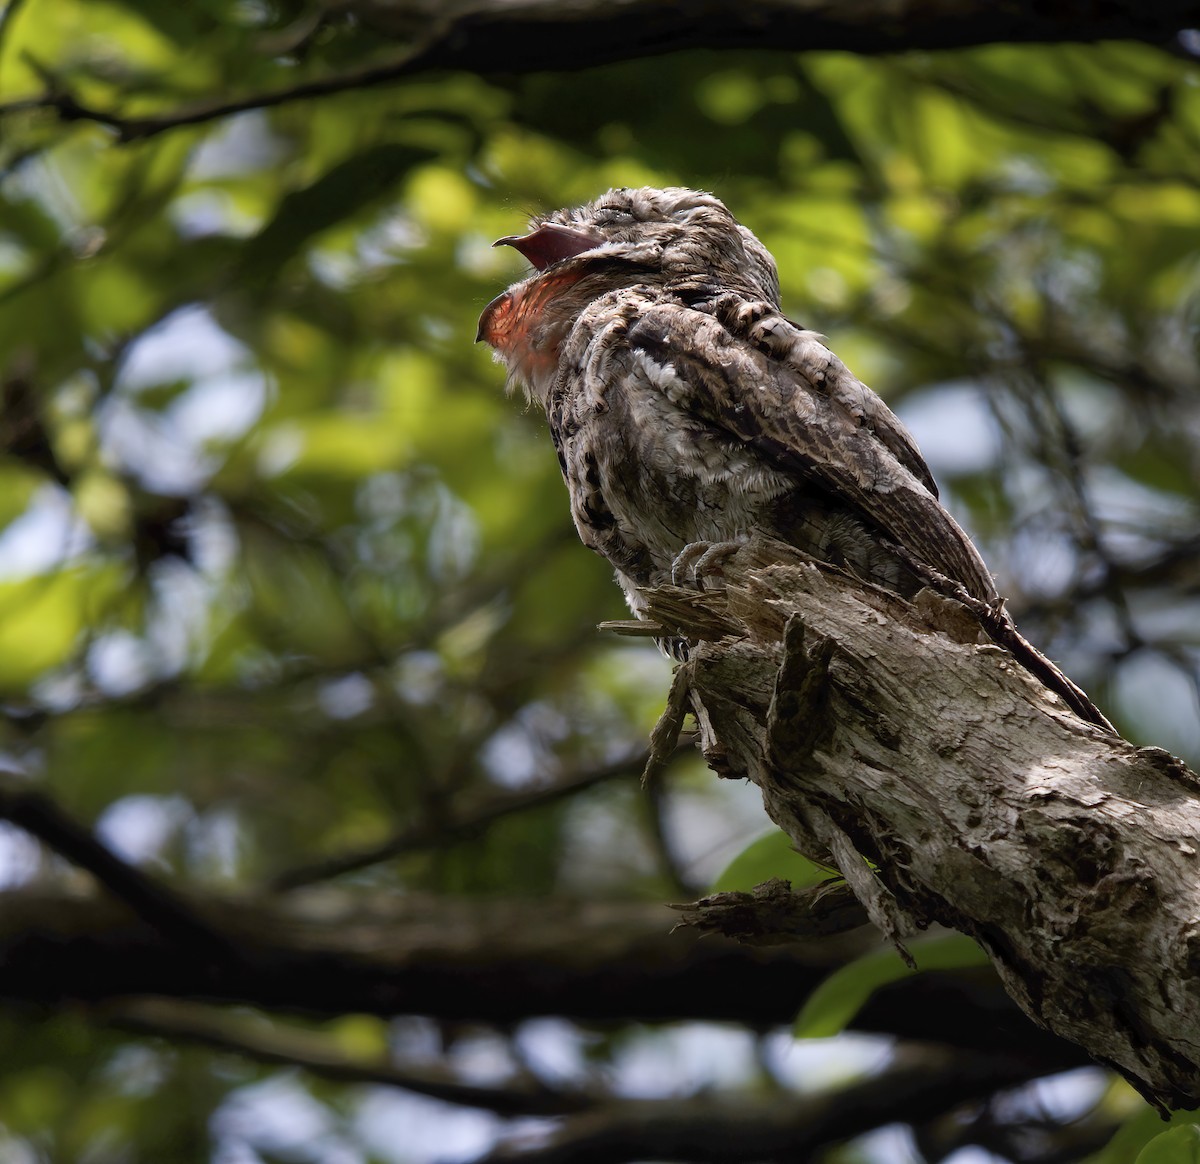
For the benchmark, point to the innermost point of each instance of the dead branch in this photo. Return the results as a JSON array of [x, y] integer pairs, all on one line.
[[948, 785]]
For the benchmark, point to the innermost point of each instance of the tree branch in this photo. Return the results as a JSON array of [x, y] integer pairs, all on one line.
[[168, 913], [468, 821], [481, 36], [949, 786], [921, 1082], [496, 961], [775, 913], [292, 1047], [129, 129]]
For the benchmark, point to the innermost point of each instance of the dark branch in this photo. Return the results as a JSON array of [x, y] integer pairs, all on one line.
[[775, 913], [920, 1083], [480, 36], [495, 961], [154, 903], [128, 129], [483, 36]]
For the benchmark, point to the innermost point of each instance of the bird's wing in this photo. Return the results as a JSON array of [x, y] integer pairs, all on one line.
[[781, 390]]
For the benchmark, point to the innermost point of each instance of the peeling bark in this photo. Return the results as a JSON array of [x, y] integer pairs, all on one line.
[[949, 786]]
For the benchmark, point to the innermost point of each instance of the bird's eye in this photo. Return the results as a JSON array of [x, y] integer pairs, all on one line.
[[612, 216]]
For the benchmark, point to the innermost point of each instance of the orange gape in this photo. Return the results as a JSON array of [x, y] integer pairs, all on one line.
[[689, 414], [510, 324]]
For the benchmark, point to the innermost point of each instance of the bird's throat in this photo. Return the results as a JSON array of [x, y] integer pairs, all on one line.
[[527, 325]]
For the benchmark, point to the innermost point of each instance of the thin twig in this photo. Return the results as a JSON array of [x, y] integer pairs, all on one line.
[[669, 861], [129, 129], [466, 822], [293, 1047]]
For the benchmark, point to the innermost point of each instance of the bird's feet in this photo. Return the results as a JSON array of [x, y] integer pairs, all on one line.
[[701, 565]]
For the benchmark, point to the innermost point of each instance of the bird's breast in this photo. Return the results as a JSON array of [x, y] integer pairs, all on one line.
[[667, 477]]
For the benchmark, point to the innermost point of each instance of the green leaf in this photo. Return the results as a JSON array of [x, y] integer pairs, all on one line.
[[769, 856], [842, 995], [1178, 1146], [42, 617], [1136, 1133]]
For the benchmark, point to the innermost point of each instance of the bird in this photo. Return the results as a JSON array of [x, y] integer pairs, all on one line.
[[689, 413]]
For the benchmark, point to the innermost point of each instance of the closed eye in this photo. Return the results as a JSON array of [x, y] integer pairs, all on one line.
[[608, 215]]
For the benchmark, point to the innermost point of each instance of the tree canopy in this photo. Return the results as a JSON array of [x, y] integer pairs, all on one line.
[[293, 620]]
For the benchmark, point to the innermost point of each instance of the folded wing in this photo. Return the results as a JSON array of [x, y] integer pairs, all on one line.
[[779, 389]]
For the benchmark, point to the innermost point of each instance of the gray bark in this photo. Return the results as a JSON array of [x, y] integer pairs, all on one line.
[[949, 786]]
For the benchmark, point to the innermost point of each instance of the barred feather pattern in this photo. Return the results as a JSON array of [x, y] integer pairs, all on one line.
[[686, 408]]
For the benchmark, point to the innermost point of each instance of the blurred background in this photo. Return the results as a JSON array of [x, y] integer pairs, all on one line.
[[293, 616]]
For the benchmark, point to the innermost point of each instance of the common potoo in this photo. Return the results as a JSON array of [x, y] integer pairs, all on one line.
[[687, 410]]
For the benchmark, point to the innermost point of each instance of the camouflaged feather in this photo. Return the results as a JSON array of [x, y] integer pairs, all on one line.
[[686, 408]]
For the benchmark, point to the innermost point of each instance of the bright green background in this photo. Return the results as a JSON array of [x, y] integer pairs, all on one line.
[[282, 569]]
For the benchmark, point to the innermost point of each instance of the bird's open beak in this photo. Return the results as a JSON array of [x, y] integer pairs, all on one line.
[[550, 243], [495, 320]]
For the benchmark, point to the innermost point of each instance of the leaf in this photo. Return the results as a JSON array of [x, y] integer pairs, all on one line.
[[842, 995], [771, 855], [42, 617], [1180, 1145], [1139, 1129]]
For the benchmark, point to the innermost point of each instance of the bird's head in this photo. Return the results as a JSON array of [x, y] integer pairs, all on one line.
[[679, 239], [674, 233]]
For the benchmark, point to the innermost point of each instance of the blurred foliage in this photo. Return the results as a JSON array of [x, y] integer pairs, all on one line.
[[1181, 1145], [283, 572], [830, 1007]]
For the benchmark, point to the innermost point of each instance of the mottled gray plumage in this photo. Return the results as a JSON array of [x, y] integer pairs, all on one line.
[[686, 408]]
